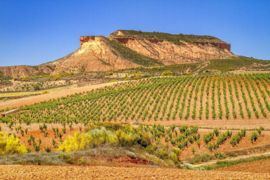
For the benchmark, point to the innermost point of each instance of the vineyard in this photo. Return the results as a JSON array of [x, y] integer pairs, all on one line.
[[153, 103], [158, 99]]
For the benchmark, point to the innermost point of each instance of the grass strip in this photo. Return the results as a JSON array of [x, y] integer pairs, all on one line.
[[226, 163]]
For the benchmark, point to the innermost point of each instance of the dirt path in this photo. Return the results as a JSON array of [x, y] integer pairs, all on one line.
[[39, 98], [233, 159], [102, 172]]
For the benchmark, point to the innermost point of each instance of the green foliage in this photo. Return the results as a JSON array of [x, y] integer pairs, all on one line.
[[220, 155], [174, 38], [167, 73], [161, 153], [149, 149], [234, 63], [208, 137], [173, 157], [176, 151], [254, 137], [259, 130], [193, 150], [200, 158], [66, 158], [47, 149], [216, 131]]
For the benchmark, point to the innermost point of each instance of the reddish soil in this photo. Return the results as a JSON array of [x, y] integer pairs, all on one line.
[[244, 143], [262, 166], [102, 172], [36, 133], [232, 124], [46, 141]]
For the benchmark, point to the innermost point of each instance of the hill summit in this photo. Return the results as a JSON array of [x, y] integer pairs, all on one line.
[[125, 49]]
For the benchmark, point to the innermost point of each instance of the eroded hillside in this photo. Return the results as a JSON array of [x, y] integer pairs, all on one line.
[[128, 49], [174, 49]]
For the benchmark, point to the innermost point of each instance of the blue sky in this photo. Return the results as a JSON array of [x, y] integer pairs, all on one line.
[[38, 31]]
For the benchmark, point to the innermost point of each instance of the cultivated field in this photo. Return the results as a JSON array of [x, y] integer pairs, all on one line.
[[189, 119], [234, 101], [100, 172]]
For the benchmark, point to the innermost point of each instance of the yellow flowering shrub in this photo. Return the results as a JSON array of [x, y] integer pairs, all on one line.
[[91, 139], [10, 145], [117, 135]]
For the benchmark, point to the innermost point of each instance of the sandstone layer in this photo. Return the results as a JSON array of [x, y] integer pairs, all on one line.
[[169, 53]]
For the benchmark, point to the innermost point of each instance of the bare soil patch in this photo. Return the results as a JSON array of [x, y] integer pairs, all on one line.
[[102, 172]]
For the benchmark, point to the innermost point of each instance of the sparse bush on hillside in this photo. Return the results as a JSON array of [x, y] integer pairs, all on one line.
[[200, 158], [45, 92], [167, 73]]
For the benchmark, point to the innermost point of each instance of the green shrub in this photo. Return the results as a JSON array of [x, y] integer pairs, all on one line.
[[254, 137], [200, 158], [174, 157], [220, 155], [216, 131], [66, 158], [81, 161], [45, 92], [176, 151], [259, 130], [172, 141], [193, 150], [149, 149], [47, 149], [161, 153], [167, 73]]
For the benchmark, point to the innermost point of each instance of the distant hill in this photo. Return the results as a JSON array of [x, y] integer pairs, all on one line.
[[125, 49]]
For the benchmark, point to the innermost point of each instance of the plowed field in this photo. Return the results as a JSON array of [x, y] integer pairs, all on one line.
[[101, 172]]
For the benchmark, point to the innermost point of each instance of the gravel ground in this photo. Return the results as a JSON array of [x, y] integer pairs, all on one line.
[[102, 172]]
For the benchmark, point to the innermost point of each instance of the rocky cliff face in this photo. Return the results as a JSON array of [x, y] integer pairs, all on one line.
[[169, 53], [98, 53]]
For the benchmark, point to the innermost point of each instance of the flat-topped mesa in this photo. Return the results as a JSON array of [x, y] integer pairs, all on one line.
[[124, 40], [84, 39], [219, 45]]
